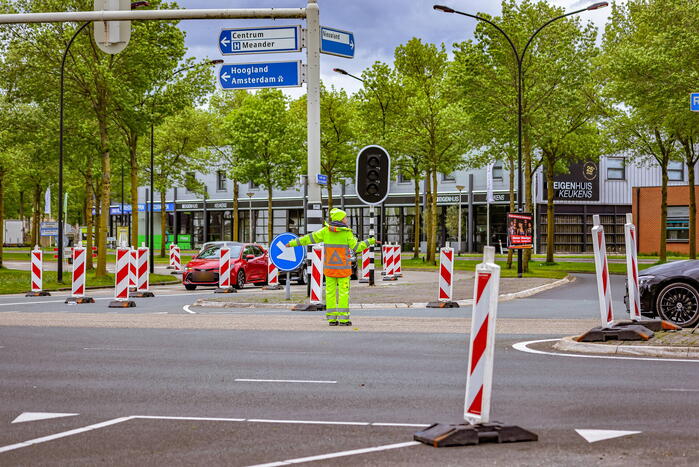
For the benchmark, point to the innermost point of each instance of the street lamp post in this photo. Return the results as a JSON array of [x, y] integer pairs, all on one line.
[[458, 237], [519, 58], [250, 195], [61, 105], [149, 229]]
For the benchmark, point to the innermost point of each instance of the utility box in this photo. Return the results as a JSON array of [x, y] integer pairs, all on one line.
[[14, 233]]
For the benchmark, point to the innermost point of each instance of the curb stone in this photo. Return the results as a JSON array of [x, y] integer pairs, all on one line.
[[202, 302], [569, 344]]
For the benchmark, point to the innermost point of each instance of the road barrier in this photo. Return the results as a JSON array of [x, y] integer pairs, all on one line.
[[316, 278], [133, 268], [366, 262], [224, 271], [77, 293], [273, 276], [122, 279], [171, 263], [632, 269], [37, 272], [176, 259], [142, 273], [446, 280], [398, 260], [479, 378], [389, 264]]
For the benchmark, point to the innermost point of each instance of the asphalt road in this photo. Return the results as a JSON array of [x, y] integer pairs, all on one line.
[[188, 396]]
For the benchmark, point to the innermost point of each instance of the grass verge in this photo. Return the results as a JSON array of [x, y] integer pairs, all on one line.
[[15, 281]]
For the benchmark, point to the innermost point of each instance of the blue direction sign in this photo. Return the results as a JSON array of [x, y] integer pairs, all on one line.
[[336, 42], [286, 259], [321, 179], [694, 101], [260, 75], [259, 40]]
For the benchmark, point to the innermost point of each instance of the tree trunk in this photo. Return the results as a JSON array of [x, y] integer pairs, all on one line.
[[416, 222], [511, 174], [270, 218], [236, 221], [36, 214], [133, 189], [105, 196], [2, 214], [163, 224], [689, 159], [433, 213], [97, 216], [89, 263], [330, 193], [21, 216], [663, 212], [429, 256], [528, 198], [550, 224]]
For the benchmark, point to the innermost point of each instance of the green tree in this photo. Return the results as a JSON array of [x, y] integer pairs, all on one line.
[[268, 144]]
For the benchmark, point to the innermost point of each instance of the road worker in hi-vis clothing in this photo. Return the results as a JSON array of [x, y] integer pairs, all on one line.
[[337, 239]]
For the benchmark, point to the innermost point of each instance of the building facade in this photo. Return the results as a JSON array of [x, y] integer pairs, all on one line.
[[596, 187]]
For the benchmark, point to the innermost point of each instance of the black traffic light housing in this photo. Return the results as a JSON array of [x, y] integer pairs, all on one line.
[[373, 174]]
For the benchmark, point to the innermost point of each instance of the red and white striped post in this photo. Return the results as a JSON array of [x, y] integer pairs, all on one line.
[[176, 259], [272, 276], [632, 269], [389, 265], [142, 273], [122, 278], [77, 294], [365, 263], [171, 263], [224, 271], [317, 275], [397, 260], [133, 268], [446, 280], [604, 292], [37, 273], [479, 379]]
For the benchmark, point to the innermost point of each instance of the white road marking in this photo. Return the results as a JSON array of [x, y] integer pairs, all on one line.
[[523, 347], [113, 349], [592, 436], [306, 422], [679, 390], [63, 434], [34, 416], [186, 308], [41, 302], [246, 380], [339, 454], [194, 419]]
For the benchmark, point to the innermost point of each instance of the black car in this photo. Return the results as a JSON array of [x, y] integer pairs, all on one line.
[[671, 291]]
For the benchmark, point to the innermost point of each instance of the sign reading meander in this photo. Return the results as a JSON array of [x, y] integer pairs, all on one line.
[[260, 75], [259, 40]]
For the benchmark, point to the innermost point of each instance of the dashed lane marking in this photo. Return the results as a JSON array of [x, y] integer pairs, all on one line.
[[524, 347], [334, 455], [245, 380]]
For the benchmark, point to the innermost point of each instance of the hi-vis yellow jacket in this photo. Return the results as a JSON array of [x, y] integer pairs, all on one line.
[[337, 239]]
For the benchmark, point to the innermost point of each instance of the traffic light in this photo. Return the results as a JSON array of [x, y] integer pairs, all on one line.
[[373, 174], [113, 36]]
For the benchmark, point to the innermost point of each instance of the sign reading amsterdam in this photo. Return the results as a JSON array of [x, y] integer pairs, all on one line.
[[581, 183], [259, 40], [260, 75]]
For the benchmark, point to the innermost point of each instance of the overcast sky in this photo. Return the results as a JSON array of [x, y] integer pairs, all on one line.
[[379, 26]]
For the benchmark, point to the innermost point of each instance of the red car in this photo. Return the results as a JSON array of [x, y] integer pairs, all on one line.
[[248, 264]]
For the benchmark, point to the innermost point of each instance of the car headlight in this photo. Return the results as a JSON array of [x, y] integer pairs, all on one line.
[[189, 269], [644, 280]]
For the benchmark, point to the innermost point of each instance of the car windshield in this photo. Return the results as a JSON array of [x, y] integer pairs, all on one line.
[[212, 251]]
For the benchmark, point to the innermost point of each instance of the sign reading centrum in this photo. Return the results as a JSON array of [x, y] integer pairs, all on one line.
[[260, 75], [260, 40]]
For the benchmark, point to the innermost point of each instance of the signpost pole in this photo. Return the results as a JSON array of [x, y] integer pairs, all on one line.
[[313, 108], [287, 287], [372, 222]]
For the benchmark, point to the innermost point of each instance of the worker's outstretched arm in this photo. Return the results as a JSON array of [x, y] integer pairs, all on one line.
[[315, 237], [358, 246]]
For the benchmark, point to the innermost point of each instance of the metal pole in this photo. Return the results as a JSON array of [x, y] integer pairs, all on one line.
[[372, 232], [151, 253], [175, 224], [519, 155], [147, 220], [314, 222], [59, 271], [458, 236], [287, 286], [250, 220], [469, 231]]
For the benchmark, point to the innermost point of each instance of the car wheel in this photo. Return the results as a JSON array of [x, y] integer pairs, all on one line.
[[679, 303], [240, 279], [190, 286]]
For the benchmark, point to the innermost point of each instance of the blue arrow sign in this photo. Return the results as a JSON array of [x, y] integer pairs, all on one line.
[[694, 102], [321, 179], [260, 75], [286, 259], [259, 40], [336, 42]]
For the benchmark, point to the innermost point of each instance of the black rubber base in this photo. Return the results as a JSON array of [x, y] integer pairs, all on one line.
[[272, 287], [225, 290], [632, 332], [442, 305], [442, 435], [363, 281], [143, 294], [170, 267], [389, 278], [654, 325], [41, 293], [122, 304], [309, 307], [178, 273], [80, 300]]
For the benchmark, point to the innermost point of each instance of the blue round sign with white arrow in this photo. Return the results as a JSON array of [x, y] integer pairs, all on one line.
[[286, 259]]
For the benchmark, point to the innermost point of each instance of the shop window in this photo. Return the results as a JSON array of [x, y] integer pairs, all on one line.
[[448, 177], [675, 171], [677, 223], [220, 180], [497, 171], [616, 169]]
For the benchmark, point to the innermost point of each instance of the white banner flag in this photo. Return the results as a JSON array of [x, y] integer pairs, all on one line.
[[489, 183], [47, 202]]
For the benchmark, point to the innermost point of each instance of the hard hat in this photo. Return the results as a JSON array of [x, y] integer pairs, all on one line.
[[337, 214]]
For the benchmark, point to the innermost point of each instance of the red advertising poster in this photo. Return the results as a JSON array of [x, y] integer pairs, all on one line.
[[520, 230]]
